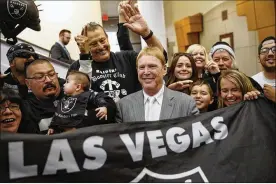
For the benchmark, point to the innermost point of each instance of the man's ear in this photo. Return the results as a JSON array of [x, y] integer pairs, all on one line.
[[259, 59], [12, 63], [28, 84], [165, 70]]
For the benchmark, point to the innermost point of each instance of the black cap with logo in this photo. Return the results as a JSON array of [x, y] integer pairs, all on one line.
[[22, 50]]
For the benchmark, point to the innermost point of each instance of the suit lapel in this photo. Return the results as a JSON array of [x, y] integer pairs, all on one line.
[[139, 107], [64, 51], [167, 105]]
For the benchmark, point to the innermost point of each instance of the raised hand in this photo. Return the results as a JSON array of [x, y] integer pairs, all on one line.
[[134, 20], [180, 85], [269, 92], [212, 67], [120, 9], [82, 41]]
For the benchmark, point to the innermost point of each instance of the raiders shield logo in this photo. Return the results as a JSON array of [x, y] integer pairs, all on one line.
[[195, 175], [68, 104], [16, 8]]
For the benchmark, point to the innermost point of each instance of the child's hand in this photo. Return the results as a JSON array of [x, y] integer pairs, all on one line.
[[102, 113], [50, 131]]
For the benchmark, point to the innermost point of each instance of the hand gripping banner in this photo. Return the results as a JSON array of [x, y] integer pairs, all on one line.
[[234, 144]]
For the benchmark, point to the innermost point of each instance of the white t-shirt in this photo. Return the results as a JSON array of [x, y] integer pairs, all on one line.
[[261, 79]]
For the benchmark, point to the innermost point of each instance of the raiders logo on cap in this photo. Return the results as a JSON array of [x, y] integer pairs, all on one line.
[[16, 8]]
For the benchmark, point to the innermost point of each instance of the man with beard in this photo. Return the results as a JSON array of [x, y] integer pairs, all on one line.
[[58, 50], [47, 90], [113, 73], [267, 77], [14, 76]]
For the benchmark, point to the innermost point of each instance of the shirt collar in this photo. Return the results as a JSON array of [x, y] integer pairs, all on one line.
[[158, 96], [61, 44]]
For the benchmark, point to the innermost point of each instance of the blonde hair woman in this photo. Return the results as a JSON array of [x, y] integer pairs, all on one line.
[[234, 87], [200, 56], [207, 69]]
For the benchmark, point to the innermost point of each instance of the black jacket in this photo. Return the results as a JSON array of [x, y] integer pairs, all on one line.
[[10, 82]]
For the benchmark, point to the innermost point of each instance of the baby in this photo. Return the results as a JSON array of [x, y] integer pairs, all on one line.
[[72, 108]]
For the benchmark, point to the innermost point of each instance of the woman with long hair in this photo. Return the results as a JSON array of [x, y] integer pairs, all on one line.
[[234, 87], [182, 72]]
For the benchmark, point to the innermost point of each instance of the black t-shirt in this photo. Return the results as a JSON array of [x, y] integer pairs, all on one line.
[[38, 111], [116, 77]]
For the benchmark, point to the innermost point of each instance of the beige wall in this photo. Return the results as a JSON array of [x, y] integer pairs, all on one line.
[[176, 10], [57, 15], [245, 42]]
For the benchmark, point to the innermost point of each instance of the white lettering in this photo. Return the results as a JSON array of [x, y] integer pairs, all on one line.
[[156, 141], [98, 153], [222, 128], [16, 162], [198, 129], [135, 150], [182, 143], [61, 148]]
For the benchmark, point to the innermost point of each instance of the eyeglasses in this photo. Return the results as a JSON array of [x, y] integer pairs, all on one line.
[[42, 77], [13, 107], [266, 50]]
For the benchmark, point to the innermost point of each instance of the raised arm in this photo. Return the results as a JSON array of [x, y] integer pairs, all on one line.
[[123, 33], [136, 23]]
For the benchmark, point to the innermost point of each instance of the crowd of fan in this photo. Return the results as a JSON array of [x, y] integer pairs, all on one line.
[[105, 87]]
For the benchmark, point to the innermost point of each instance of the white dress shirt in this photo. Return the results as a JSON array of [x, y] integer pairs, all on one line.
[[153, 105]]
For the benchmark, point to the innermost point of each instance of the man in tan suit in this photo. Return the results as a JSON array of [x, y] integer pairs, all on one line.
[[155, 101]]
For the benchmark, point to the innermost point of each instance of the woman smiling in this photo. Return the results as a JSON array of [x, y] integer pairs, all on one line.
[[10, 110], [234, 87], [182, 72]]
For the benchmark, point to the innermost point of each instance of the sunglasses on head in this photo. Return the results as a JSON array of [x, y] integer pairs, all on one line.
[[26, 55]]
